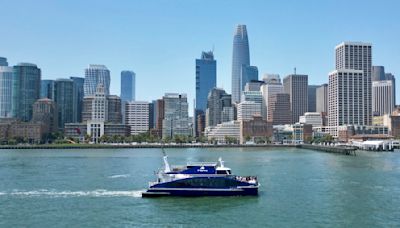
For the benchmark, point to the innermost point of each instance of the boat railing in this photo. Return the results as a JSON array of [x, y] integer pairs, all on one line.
[[152, 183], [248, 179]]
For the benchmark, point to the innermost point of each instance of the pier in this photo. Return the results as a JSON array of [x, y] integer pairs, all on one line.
[[345, 150]]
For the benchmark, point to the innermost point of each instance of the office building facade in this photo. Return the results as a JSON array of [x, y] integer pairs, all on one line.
[[64, 96], [322, 98], [78, 100], [25, 90], [175, 120], [383, 97], [137, 116], [358, 56], [312, 98], [297, 87], [47, 89], [345, 105], [217, 100], [279, 109]]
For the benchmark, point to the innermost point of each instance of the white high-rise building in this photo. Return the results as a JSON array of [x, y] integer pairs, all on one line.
[[137, 116], [175, 120], [345, 98], [383, 97], [6, 85], [100, 104], [358, 56], [246, 110]]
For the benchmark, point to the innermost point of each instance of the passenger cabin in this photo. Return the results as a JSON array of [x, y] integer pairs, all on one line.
[[201, 168]]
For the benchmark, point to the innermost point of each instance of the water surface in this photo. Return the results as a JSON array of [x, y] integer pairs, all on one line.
[[101, 188]]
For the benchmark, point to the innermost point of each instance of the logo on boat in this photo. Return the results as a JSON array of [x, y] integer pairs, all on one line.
[[202, 169]]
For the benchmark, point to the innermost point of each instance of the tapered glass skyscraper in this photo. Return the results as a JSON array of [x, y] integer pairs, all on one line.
[[95, 75], [240, 57]]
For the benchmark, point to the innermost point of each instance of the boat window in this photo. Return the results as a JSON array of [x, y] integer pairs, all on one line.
[[221, 172]]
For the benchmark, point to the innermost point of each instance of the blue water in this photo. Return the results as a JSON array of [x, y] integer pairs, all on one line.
[[101, 188]]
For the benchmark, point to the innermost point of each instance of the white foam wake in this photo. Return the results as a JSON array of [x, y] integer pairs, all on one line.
[[119, 176], [95, 193]]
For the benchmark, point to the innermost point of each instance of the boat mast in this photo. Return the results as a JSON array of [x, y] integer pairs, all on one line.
[[166, 164]]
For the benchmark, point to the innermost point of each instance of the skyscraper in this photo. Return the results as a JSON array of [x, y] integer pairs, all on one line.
[[378, 73], [312, 98], [94, 75], [6, 82], [390, 76], [271, 87], [3, 61], [297, 87], [26, 90], [322, 98], [217, 103], [345, 98], [240, 57], [64, 96], [128, 86], [358, 56], [383, 97], [47, 89], [206, 79], [128, 89], [78, 101], [279, 109], [247, 74], [175, 120], [246, 110]]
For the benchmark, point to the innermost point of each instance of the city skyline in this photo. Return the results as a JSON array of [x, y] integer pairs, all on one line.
[[274, 47]]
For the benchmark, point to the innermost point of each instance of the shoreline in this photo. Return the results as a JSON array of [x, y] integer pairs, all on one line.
[[320, 148], [139, 146]]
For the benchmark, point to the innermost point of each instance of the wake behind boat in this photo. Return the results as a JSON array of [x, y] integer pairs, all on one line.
[[200, 179]]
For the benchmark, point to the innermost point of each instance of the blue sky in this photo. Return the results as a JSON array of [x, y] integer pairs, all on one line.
[[160, 40]]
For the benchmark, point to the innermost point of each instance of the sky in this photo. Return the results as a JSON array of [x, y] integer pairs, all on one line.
[[160, 40]]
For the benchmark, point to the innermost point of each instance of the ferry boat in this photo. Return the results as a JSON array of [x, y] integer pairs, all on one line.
[[201, 179]]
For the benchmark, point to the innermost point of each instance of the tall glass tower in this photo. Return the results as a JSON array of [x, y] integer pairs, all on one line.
[[47, 89], [64, 93], [94, 75], [128, 83], [26, 90], [240, 56], [206, 80], [78, 101]]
